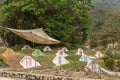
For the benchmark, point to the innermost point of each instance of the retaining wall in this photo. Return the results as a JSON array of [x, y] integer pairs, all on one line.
[[33, 76]]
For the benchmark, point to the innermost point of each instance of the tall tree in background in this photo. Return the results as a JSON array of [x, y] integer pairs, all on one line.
[[65, 20]]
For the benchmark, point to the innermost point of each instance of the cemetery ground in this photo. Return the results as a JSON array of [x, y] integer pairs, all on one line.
[[74, 69]]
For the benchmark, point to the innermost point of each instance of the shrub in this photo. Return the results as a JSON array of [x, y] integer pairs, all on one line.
[[108, 53], [3, 63], [100, 48], [2, 50], [118, 65], [115, 55], [17, 47], [98, 76], [109, 62]]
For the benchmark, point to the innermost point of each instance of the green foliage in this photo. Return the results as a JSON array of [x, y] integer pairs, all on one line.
[[46, 61], [116, 55], [27, 51], [39, 47], [109, 62], [105, 26], [108, 5], [73, 58], [3, 63], [61, 19], [109, 31], [72, 52], [74, 64], [2, 50], [17, 47], [98, 76], [118, 65]]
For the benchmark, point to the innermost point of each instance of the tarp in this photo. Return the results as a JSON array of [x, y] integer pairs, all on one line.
[[9, 52], [37, 53], [35, 35]]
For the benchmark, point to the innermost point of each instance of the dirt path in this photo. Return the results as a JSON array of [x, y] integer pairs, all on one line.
[[2, 78]]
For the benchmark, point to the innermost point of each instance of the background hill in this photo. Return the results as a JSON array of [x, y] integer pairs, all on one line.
[[105, 22]]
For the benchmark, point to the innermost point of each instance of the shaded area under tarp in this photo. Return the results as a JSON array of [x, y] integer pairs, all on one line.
[[35, 35]]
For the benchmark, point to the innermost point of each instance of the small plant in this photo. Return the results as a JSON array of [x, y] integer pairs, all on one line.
[[110, 54], [109, 62], [3, 63], [118, 65], [98, 76], [116, 56]]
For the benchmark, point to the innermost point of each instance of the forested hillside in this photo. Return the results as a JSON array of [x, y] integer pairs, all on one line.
[[109, 5], [105, 25]]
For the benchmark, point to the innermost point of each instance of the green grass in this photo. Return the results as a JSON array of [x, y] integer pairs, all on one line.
[[89, 52], [73, 58], [74, 64], [26, 51], [102, 64], [115, 56], [72, 52], [39, 47], [50, 52], [46, 60]]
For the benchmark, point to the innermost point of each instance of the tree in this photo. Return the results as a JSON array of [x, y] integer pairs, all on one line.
[[109, 31], [100, 15], [118, 65], [65, 20]]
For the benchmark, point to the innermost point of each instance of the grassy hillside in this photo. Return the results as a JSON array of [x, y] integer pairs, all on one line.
[[46, 60]]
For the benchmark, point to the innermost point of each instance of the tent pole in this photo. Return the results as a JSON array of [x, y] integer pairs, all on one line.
[[32, 42]]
